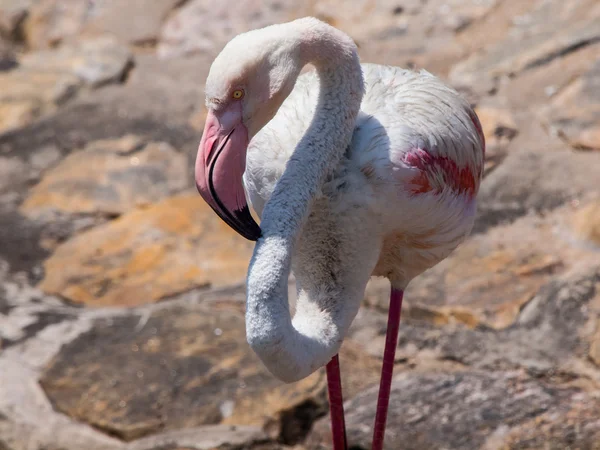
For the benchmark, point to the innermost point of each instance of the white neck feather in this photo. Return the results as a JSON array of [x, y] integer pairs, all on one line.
[[287, 351]]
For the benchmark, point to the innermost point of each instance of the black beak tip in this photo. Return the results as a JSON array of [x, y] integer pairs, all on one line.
[[245, 225], [254, 235]]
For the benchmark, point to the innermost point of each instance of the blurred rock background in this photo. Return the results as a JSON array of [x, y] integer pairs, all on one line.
[[121, 294]]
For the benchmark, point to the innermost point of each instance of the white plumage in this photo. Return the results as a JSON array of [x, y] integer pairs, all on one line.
[[366, 221], [355, 170]]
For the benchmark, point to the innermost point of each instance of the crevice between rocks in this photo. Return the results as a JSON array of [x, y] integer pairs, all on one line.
[[576, 46], [180, 4], [127, 71], [17, 34], [297, 422]]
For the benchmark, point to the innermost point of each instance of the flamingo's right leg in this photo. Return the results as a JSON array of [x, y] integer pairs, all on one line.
[[336, 404], [389, 354]]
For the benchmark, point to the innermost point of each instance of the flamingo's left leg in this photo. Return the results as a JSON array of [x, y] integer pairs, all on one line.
[[336, 404]]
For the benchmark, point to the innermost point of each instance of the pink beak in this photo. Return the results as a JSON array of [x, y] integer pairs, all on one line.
[[220, 165]]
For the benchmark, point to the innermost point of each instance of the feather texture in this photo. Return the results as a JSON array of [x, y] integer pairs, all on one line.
[[411, 171], [355, 170]]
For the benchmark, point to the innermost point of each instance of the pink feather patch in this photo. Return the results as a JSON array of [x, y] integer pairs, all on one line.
[[460, 180]]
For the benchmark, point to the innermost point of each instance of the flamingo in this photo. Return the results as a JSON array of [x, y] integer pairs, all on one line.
[[355, 170]]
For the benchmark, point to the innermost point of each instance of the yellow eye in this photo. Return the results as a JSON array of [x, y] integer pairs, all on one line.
[[237, 94]]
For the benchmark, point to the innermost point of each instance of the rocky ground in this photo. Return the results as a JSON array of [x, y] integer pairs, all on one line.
[[121, 294]]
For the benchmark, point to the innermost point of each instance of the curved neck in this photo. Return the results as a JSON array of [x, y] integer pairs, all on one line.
[[322, 147], [289, 353]]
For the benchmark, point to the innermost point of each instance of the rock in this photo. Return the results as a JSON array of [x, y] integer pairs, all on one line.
[[360, 369], [537, 175], [110, 177], [136, 22], [27, 420], [12, 16], [16, 114], [586, 224], [11, 170], [542, 318], [499, 128], [26, 241], [202, 438], [94, 61], [155, 104], [46, 79], [20, 243], [182, 79], [368, 332], [36, 89], [487, 280], [534, 90], [594, 353], [456, 15], [447, 410], [23, 437], [55, 21], [198, 118], [15, 170], [178, 367], [49, 22], [550, 337], [574, 426], [145, 255], [544, 33], [19, 326], [498, 125], [8, 59], [499, 345], [411, 33], [31, 94], [203, 27], [45, 158], [415, 34], [575, 112]]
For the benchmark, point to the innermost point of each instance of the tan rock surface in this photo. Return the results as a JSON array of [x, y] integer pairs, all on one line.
[[535, 89], [543, 32], [488, 279], [499, 128], [44, 80], [575, 425], [499, 344], [148, 254], [186, 31], [192, 356], [575, 112], [18, 113], [94, 61], [110, 177], [52, 22], [12, 15], [442, 413], [586, 224]]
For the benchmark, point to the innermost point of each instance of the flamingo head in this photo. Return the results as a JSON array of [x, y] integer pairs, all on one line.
[[246, 85]]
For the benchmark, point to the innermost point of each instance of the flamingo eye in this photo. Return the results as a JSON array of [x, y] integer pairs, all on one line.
[[238, 94]]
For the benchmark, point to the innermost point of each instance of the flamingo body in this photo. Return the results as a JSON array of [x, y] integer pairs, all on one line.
[[407, 182], [356, 170]]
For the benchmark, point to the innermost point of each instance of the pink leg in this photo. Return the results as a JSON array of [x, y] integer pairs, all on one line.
[[389, 354], [336, 404]]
